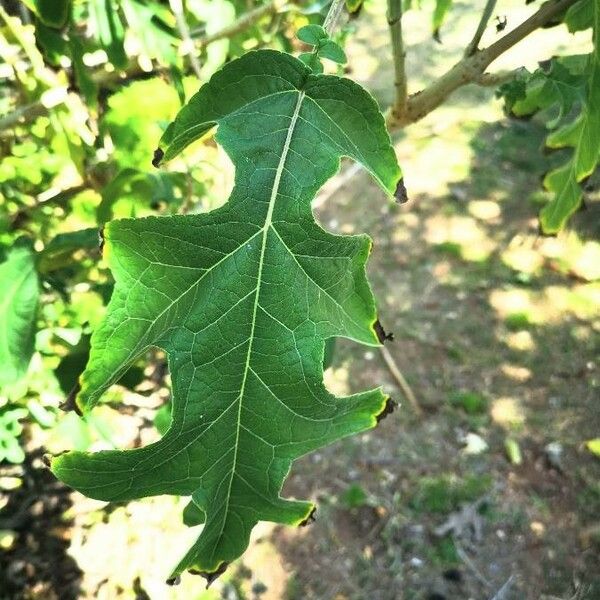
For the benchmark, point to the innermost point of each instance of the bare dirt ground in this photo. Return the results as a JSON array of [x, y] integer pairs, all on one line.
[[496, 331]]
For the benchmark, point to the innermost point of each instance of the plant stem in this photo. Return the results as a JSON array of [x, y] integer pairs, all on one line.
[[394, 17], [471, 68], [186, 38], [488, 9], [333, 15]]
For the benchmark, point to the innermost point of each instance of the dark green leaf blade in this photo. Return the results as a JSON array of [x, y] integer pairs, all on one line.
[[18, 311], [242, 300]]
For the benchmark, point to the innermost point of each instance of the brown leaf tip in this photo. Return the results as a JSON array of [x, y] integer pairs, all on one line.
[[69, 404], [388, 409], [174, 580], [311, 518], [101, 239], [212, 576], [382, 336], [158, 156], [400, 193]]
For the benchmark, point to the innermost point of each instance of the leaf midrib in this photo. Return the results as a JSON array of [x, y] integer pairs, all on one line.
[[266, 228]]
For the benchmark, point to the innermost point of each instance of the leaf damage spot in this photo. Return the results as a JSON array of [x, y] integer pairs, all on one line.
[[311, 518], [174, 581], [388, 409], [212, 576], [158, 156], [382, 336], [400, 194], [101, 239]]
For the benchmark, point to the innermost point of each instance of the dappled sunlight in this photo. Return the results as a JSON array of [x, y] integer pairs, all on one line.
[[508, 412], [549, 305], [521, 341], [465, 232], [336, 380], [516, 372]]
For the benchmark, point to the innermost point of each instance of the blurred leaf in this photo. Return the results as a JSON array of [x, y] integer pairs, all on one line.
[[83, 77], [10, 430], [105, 23], [580, 16], [354, 496], [440, 12], [594, 446], [513, 451], [52, 42], [60, 249], [162, 418], [18, 311], [53, 13]]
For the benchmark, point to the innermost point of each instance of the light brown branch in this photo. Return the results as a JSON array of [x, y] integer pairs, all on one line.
[[400, 380], [470, 69], [333, 15], [488, 9], [394, 17]]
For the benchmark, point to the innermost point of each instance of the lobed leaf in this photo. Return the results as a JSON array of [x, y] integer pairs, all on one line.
[[242, 300]]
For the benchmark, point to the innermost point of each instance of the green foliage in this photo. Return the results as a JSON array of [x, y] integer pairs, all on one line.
[[10, 430], [18, 311], [471, 402], [445, 494], [568, 95], [242, 300]]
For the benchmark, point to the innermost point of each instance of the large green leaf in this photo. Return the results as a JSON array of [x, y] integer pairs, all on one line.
[[18, 310], [242, 299]]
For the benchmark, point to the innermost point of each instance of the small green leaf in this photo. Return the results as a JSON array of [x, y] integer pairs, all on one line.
[[106, 24], [333, 51], [311, 60], [312, 34], [440, 12], [18, 312]]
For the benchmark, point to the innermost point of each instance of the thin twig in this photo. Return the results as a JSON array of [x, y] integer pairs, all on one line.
[[400, 380], [470, 564], [394, 17], [488, 9], [470, 69], [502, 593], [244, 22], [188, 43]]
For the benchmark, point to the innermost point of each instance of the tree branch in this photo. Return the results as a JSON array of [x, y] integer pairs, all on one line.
[[333, 15], [394, 17], [471, 68], [488, 9], [244, 22], [188, 44]]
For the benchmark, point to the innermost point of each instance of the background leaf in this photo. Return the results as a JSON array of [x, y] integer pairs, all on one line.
[[18, 311]]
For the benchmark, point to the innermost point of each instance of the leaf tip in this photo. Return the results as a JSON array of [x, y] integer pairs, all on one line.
[[388, 408], [211, 576], [70, 403], [381, 334], [172, 581], [157, 157], [310, 518], [400, 193]]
